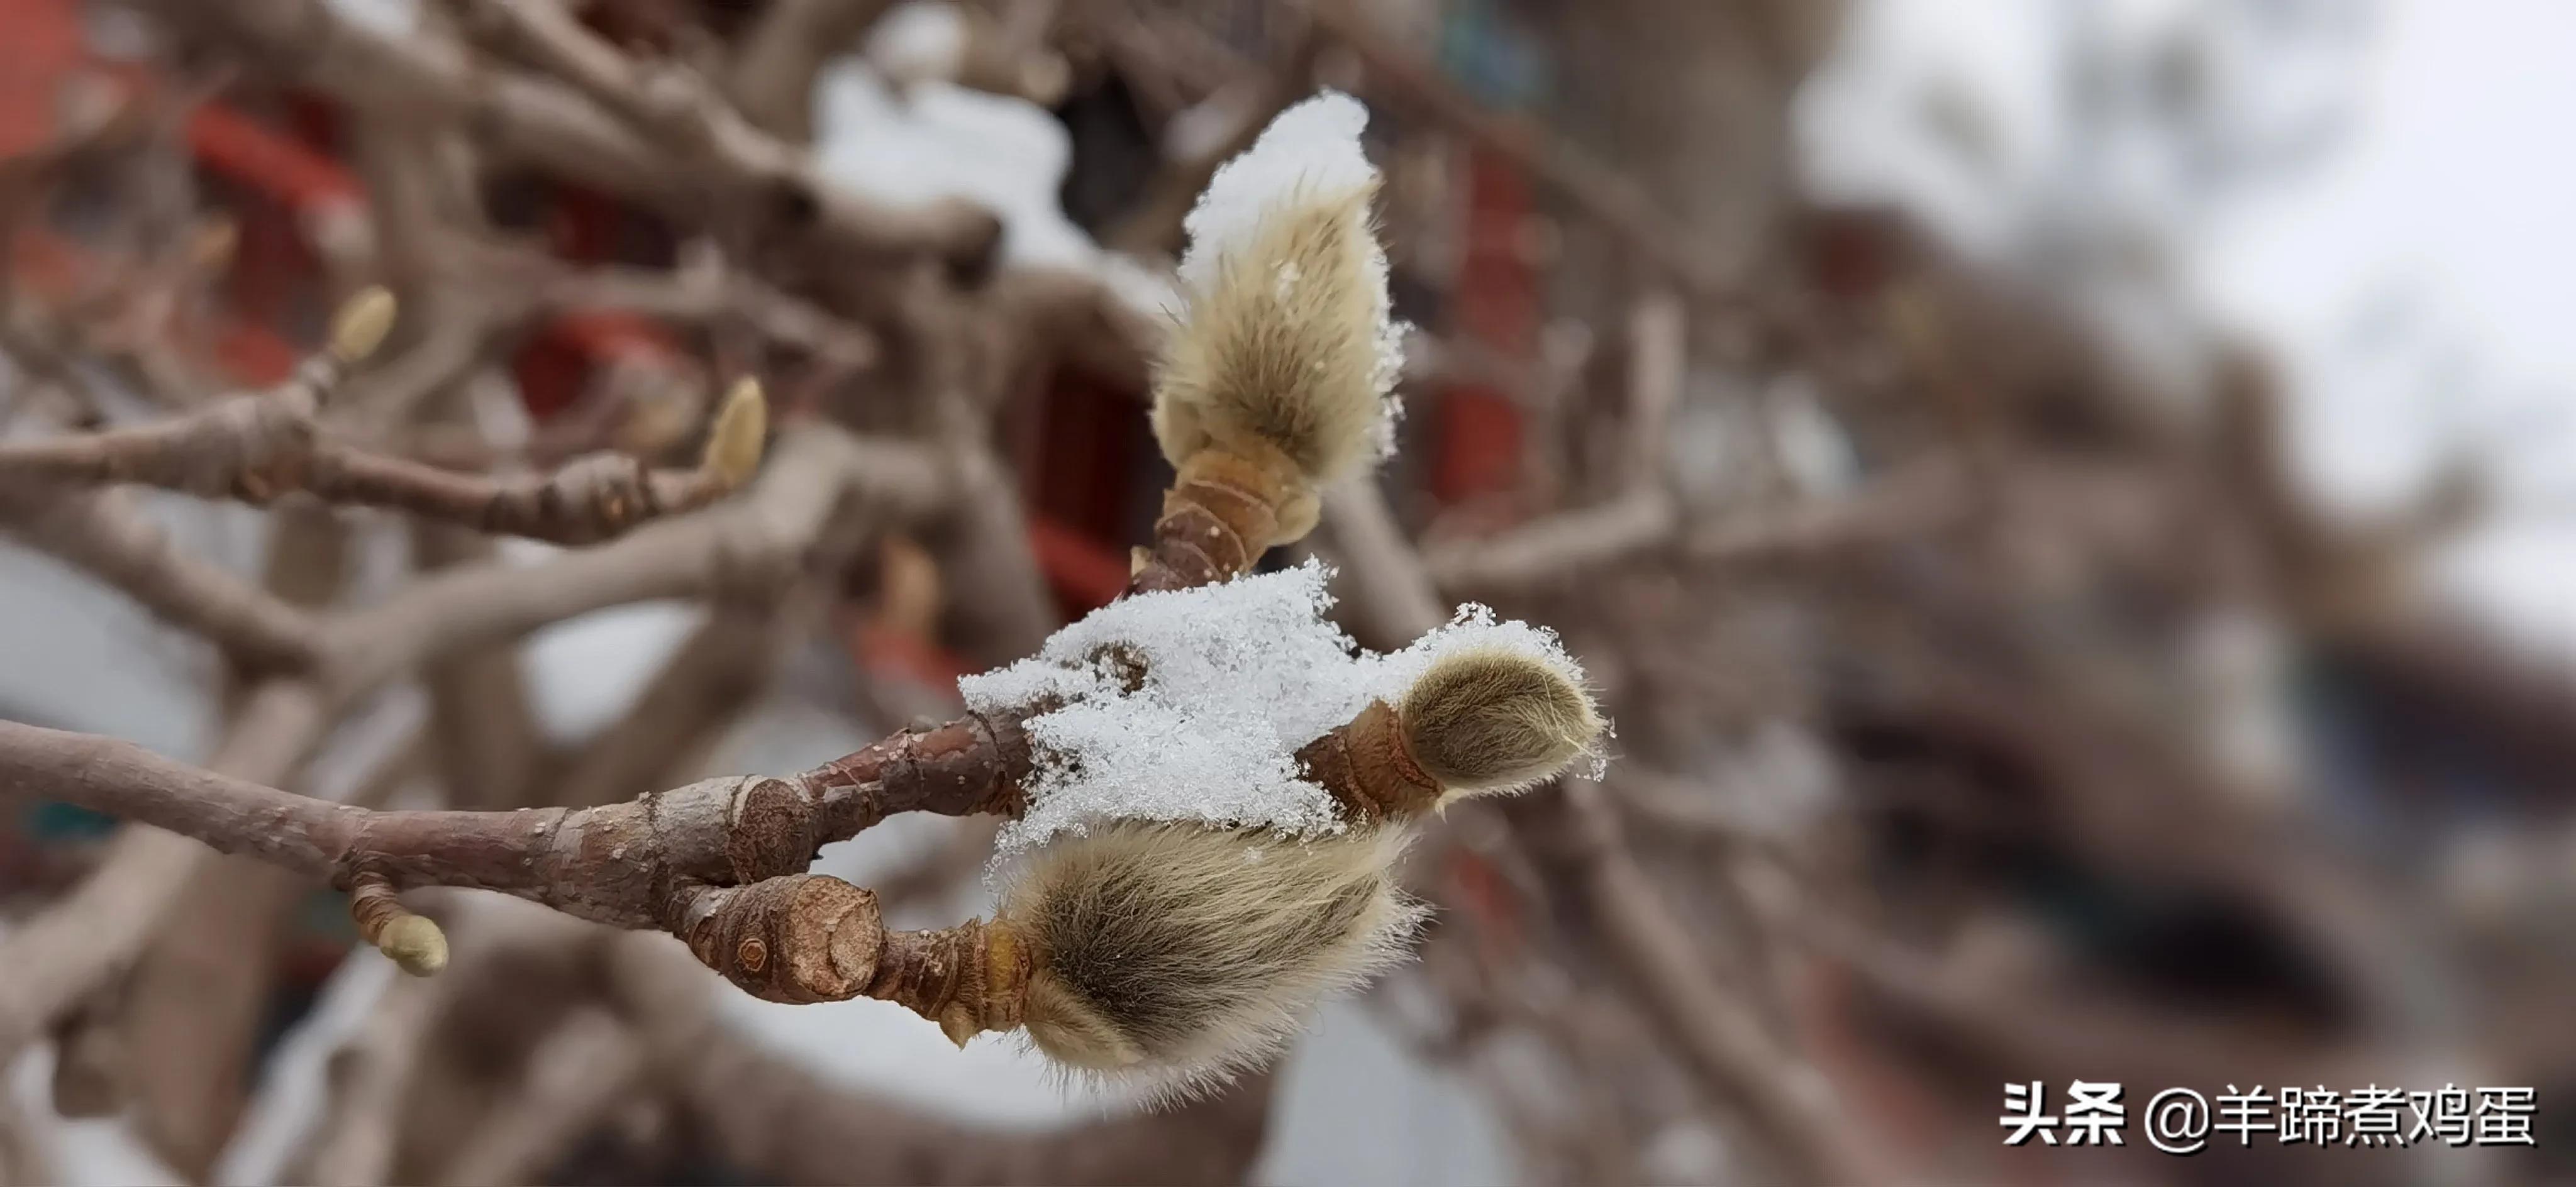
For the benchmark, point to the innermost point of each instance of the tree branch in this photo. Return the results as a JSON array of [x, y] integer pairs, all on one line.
[[86, 936], [95, 531], [1722, 1039], [255, 447], [772, 75]]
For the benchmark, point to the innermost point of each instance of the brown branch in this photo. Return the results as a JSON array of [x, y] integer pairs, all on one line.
[[775, 1118], [1908, 503], [1566, 546], [424, 74], [1719, 1036], [1391, 596], [64, 953], [673, 859], [1000, 598], [96, 532], [585, 501], [369, 1080], [586, 1068], [1156, 226], [1219, 516], [483, 736], [719, 862], [1610, 198], [820, 481], [82, 938], [772, 76], [708, 295], [255, 447], [716, 148], [211, 451]]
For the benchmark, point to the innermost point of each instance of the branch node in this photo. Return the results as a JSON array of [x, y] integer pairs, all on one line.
[[797, 938], [1224, 509]]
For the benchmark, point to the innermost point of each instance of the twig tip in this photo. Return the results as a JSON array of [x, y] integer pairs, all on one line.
[[741, 429], [362, 323], [415, 944], [213, 243]]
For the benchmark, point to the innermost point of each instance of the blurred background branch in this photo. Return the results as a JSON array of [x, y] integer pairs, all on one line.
[[2009, 682]]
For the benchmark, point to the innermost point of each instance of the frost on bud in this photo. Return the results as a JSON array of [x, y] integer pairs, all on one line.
[[741, 429], [1286, 354], [361, 323], [1178, 955], [1496, 718]]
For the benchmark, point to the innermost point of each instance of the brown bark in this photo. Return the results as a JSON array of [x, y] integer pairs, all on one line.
[[772, 76], [482, 723], [1220, 515], [583, 1071], [101, 534], [719, 862], [999, 603], [1156, 226], [569, 129], [369, 1081], [78, 941], [257, 447], [1720, 1036], [100, 926], [773, 1117], [198, 993]]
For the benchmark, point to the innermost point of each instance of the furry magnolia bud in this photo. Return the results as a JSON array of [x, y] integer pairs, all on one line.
[[1279, 353], [1495, 718], [1179, 954], [1285, 353]]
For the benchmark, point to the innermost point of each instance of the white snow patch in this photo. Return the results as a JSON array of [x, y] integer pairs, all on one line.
[[1311, 149], [1235, 678], [919, 41], [937, 139], [385, 18]]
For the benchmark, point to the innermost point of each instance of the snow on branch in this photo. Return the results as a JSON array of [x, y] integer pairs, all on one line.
[[1193, 705]]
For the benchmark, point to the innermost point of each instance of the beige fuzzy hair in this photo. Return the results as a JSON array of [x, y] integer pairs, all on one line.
[[1177, 955], [1492, 718], [1278, 353]]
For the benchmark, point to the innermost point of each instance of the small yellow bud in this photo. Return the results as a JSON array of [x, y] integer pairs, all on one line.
[[213, 243], [741, 430], [361, 324], [415, 943]]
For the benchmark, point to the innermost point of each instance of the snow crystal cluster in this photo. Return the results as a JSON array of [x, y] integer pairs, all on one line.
[[1192, 704], [1310, 152]]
